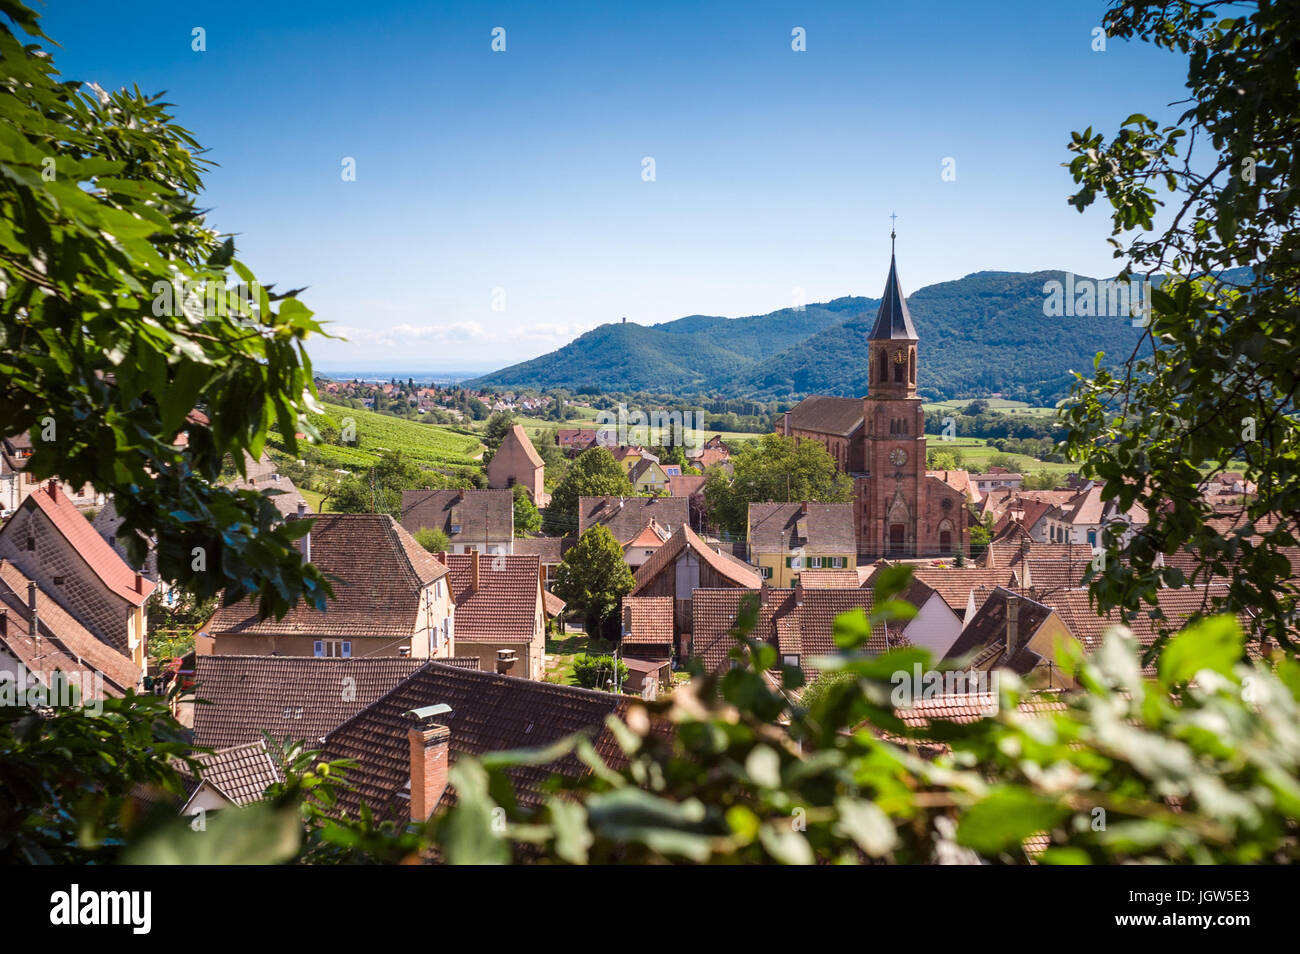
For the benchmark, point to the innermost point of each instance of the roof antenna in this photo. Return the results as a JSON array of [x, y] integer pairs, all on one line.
[[892, 233]]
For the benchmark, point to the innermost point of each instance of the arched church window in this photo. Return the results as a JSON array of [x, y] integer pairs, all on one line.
[[912, 365], [884, 366]]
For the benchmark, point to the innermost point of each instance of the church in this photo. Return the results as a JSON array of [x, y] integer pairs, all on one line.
[[900, 509]]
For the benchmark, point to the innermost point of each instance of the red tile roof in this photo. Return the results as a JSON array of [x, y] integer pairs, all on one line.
[[648, 619], [378, 572], [90, 546], [829, 579], [626, 516], [503, 607]]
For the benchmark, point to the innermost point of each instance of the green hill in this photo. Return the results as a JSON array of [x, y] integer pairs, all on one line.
[[985, 333]]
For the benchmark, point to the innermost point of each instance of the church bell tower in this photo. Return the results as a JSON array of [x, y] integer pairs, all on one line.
[[890, 502]]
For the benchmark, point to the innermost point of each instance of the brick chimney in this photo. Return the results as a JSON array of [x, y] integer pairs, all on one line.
[[302, 508], [53, 487], [473, 570], [429, 737], [506, 659], [1013, 624], [139, 583]]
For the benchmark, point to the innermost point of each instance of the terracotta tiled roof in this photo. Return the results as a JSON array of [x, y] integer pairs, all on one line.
[[293, 698], [482, 516], [958, 480], [823, 414], [829, 579], [954, 584], [504, 605], [781, 527], [714, 614], [546, 549], [817, 622], [240, 772], [652, 536], [490, 713], [1001, 555], [725, 564], [108, 525], [648, 619], [686, 485], [377, 570], [65, 644], [626, 516], [90, 546], [552, 605], [972, 706]]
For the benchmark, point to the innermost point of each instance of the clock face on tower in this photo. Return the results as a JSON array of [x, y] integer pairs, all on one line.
[[898, 457]]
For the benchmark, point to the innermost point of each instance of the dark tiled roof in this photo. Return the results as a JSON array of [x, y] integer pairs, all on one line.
[[293, 698], [547, 549], [377, 570], [241, 772], [490, 713], [483, 516], [504, 605], [725, 565], [775, 528], [264, 476], [984, 638], [893, 322], [823, 414], [627, 516]]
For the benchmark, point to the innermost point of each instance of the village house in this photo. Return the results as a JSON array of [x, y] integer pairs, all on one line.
[[501, 610], [263, 475], [391, 597], [682, 565], [784, 539], [645, 544], [648, 476], [53, 545], [574, 440], [1083, 518], [517, 462], [480, 520], [997, 478], [1012, 631]]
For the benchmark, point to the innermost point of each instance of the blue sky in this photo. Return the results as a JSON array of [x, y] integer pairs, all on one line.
[[515, 178]]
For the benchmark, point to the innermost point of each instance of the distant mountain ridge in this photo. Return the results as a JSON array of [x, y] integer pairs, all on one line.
[[981, 334]]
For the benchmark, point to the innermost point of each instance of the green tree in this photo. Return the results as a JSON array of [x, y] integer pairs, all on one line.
[[379, 490], [1212, 386], [117, 322], [432, 539], [594, 577], [599, 672], [495, 431], [943, 459], [774, 468], [528, 519], [594, 473]]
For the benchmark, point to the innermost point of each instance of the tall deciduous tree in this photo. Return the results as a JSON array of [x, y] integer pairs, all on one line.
[[495, 431], [775, 468], [1212, 386], [594, 474], [594, 577], [117, 322]]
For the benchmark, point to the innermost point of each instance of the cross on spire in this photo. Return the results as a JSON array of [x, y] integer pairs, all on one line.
[[892, 232]]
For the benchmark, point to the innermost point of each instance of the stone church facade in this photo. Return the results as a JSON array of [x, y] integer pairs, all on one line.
[[901, 510]]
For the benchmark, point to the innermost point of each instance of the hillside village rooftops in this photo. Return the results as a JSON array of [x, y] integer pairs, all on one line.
[[378, 573]]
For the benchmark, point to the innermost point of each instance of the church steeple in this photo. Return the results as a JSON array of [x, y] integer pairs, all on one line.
[[892, 342]]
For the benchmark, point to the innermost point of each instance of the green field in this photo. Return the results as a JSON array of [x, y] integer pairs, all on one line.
[[976, 454], [1001, 405], [429, 445]]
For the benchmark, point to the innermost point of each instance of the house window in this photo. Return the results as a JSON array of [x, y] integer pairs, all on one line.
[[815, 563], [333, 648], [765, 572], [790, 660], [60, 580], [31, 543]]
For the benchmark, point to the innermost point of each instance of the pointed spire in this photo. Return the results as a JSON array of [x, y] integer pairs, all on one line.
[[893, 320]]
